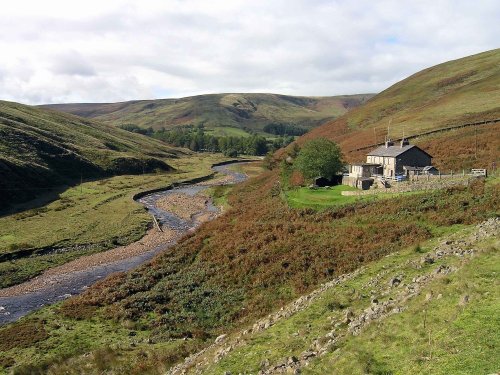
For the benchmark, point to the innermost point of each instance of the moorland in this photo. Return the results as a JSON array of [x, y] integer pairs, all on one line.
[[293, 279]]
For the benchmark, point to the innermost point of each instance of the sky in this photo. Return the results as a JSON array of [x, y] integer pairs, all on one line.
[[55, 51]]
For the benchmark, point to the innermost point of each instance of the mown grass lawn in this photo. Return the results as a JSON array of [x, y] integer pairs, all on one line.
[[320, 198]]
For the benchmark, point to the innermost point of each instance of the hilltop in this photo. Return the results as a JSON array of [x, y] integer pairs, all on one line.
[[41, 149], [457, 92], [227, 114]]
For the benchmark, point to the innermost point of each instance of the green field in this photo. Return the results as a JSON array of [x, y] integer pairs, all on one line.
[[319, 198], [227, 132], [99, 215]]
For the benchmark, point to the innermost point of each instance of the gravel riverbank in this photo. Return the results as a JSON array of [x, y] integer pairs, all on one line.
[[178, 211]]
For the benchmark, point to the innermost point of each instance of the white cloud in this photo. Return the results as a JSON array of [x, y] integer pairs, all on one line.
[[62, 51]]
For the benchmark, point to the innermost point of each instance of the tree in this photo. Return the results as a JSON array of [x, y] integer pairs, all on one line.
[[269, 161], [319, 157]]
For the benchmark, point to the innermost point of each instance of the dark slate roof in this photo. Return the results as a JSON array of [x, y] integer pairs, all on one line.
[[393, 151]]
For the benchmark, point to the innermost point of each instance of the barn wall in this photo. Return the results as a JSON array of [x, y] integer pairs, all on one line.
[[413, 158]]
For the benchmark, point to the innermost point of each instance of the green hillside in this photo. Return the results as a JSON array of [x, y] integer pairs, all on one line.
[[227, 113], [318, 283], [41, 149], [456, 92]]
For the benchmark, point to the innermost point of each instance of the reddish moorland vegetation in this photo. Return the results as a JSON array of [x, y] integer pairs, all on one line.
[[454, 149], [262, 254]]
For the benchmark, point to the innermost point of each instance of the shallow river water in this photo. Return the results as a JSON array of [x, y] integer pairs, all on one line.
[[13, 308]]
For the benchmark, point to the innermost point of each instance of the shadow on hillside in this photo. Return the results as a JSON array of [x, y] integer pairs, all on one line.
[[42, 199]]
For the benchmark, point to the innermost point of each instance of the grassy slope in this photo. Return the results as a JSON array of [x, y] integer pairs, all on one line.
[[96, 215], [455, 92], [463, 337], [252, 260], [41, 149], [220, 111]]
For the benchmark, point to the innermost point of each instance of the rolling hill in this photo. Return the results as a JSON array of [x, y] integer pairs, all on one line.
[[229, 114], [347, 287], [457, 92], [41, 149]]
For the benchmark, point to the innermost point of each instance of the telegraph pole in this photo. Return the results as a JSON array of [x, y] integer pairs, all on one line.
[[475, 136]]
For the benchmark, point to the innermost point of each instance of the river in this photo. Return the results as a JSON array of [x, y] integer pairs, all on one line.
[[14, 307]]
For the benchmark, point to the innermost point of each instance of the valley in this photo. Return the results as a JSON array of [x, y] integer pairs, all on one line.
[[83, 220], [75, 276], [274, 274]]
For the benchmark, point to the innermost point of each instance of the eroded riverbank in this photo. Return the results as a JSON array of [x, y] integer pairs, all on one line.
[[178, 210]]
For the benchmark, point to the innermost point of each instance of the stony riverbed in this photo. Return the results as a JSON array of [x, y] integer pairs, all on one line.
[[178, 211]]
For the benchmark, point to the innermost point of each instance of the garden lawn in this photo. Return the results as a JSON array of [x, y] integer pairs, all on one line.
[[319, 198]]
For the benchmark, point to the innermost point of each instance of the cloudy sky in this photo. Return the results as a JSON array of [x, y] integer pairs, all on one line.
[[109, 50]]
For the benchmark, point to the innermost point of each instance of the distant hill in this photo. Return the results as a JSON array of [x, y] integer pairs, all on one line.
[[228, 114], [456, 92], [41, 149]]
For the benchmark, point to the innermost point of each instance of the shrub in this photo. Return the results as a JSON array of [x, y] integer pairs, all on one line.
[[22, 335]]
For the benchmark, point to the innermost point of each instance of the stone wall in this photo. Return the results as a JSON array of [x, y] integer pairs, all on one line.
[[423, 183]]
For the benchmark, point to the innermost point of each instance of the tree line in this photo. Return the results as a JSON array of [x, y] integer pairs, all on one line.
[[196, 138]]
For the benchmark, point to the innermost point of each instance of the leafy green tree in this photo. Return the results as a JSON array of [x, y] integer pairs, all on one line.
[[319, 157]]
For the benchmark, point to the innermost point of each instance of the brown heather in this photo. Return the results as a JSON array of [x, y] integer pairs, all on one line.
[[262, 254]]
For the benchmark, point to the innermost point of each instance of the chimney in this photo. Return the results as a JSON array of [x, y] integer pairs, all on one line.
[[404, 142], [388, 143]]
